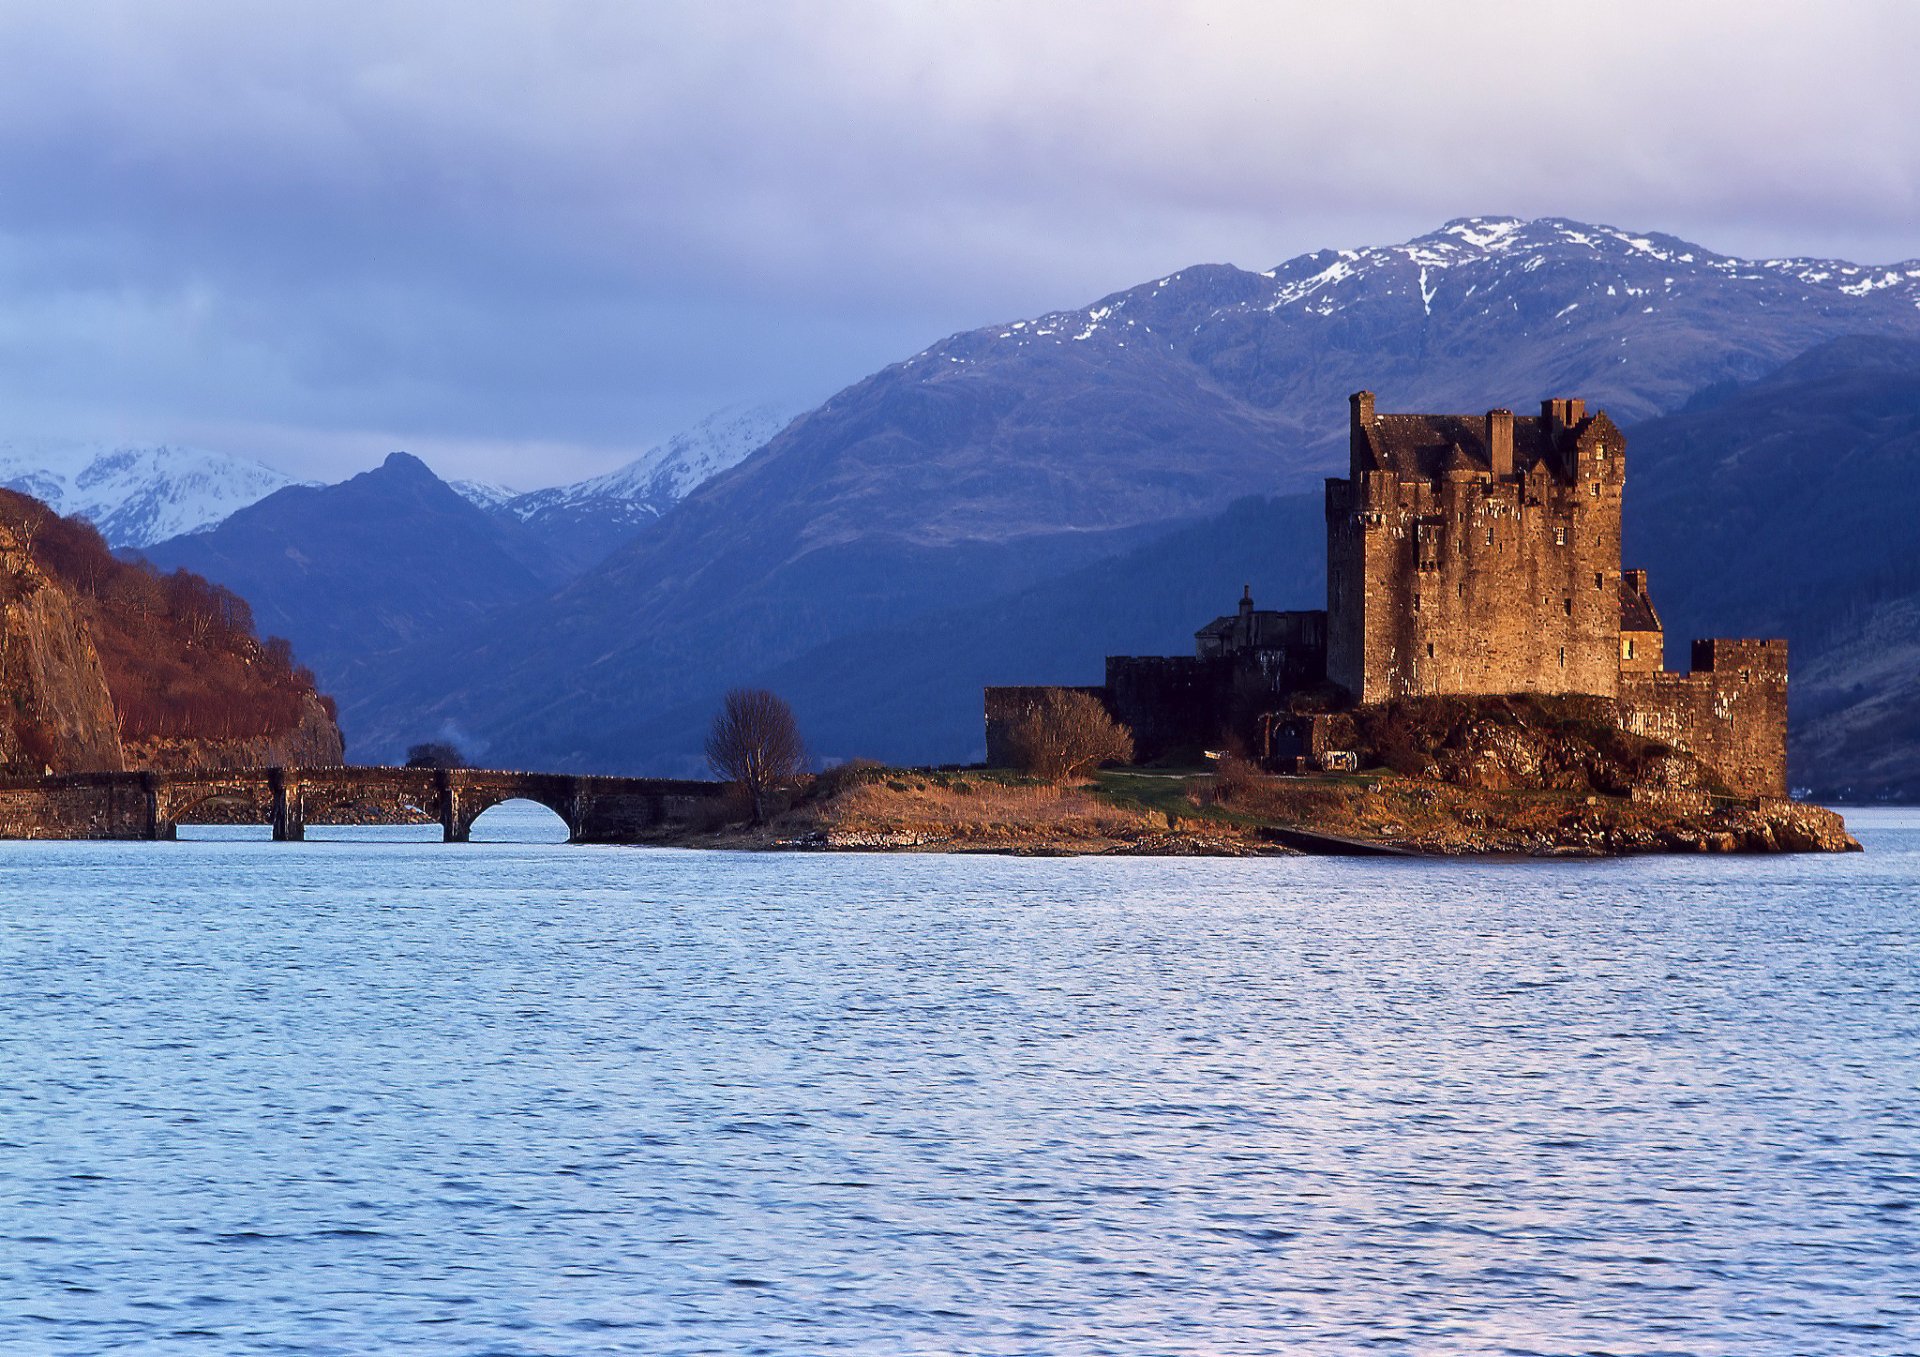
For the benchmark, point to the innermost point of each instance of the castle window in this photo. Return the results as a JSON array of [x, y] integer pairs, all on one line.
[[1559, 537], [1566, 605], [1626, 648], [1599, 580], [1489, 534], [1416, 603], [1461, 588], [1429, 649], [1563, 657], [1596, 489]]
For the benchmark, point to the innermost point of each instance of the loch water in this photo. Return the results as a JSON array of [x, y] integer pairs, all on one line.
[[377, 1094]]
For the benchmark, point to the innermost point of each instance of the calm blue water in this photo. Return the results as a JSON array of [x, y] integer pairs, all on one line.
[[390, 1096]]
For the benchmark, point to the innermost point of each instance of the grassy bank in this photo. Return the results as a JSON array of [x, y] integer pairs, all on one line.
[[1241, 812]]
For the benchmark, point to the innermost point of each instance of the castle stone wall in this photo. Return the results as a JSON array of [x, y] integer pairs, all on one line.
[[1470, 583], [1730, 712]]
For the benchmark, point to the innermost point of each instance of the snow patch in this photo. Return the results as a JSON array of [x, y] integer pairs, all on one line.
[[665, 474], [137, 495]]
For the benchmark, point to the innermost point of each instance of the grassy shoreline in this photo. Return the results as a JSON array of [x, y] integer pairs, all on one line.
[[1187, 812]]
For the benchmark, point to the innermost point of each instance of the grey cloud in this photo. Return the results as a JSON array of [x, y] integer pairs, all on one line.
[[316, 229]]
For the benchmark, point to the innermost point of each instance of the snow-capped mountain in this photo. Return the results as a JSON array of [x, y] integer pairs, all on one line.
[[1015, 453], [1484, 308], [664, 475], [589, 518], [485, 494], [137, 495]]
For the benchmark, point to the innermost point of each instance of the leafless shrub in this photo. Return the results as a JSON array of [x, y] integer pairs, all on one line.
[[755, 744], [1235, 776], [1066, 735]]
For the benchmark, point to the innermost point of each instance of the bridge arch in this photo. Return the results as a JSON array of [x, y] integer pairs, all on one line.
[[520, 819], [184, 802], [471, 797]]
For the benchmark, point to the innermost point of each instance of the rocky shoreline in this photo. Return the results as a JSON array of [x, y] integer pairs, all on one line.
[[1134, 813]]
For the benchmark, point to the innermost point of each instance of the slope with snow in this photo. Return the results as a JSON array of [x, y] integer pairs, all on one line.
[[664, 475], [1000, 457], [484, 494], [137, 495], [588, 519]]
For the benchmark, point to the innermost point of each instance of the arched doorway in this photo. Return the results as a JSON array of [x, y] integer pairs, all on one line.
[[518, 821]]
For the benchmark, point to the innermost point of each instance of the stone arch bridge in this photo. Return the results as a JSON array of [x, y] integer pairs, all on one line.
[[153, 805]]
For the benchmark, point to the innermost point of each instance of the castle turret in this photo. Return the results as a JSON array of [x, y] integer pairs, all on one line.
[[1360, 457], [1500, 442]]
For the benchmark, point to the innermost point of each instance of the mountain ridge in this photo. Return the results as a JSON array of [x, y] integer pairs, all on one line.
[[137, 494], [982, 462]]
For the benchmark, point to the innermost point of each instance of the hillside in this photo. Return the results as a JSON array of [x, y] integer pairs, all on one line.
[[999, 458], [583, 523], [107, 664], [347, 572], [1786, 507]]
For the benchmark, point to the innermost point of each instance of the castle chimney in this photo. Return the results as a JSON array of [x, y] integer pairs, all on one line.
[[1500, 442], [1361, 403], [1246, 601], [1576, 411], [1553, 415]]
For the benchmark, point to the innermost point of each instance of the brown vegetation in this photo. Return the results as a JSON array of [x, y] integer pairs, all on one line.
[[1066, 735], [755, 744], [1514, 742], [179, 654]]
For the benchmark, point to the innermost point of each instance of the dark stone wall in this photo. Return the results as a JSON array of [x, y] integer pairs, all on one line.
[[1730, 712], [106, 806], [1172, 703]]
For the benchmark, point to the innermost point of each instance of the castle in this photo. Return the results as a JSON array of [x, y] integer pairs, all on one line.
[[1466, 555]]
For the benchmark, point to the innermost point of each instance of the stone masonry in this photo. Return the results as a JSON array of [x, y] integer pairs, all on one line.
[[1467, 555]]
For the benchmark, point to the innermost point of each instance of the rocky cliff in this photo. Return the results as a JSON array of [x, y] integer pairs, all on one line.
[[59, 714], [106, 665]]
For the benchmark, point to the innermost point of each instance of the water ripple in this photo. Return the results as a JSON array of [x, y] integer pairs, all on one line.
[[395, 1097]]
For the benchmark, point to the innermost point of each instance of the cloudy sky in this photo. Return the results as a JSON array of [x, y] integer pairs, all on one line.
[[526, 240]]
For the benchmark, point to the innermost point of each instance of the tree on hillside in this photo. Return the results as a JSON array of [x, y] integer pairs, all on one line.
[[1066, 735], [435, 754], [755, 744]]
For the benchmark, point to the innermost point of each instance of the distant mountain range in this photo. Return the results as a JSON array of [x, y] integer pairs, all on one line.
[[1019, 500], [583, 522], [136, 495], [352, 571], [1000, 458], [139, 495]]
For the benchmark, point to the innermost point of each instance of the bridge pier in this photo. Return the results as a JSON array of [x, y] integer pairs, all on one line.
[[289, 806], [156, 824], [453, 826]]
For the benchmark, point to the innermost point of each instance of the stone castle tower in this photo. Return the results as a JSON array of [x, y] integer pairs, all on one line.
[[1480, 555], [1471, 555]]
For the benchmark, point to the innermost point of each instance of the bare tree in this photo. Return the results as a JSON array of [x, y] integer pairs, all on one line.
[[1066, 735], [435, 754], [755, 744]]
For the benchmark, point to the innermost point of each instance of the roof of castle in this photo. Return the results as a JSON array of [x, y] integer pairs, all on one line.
[[1432, 445], [1271, 627], [1636, 608]]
